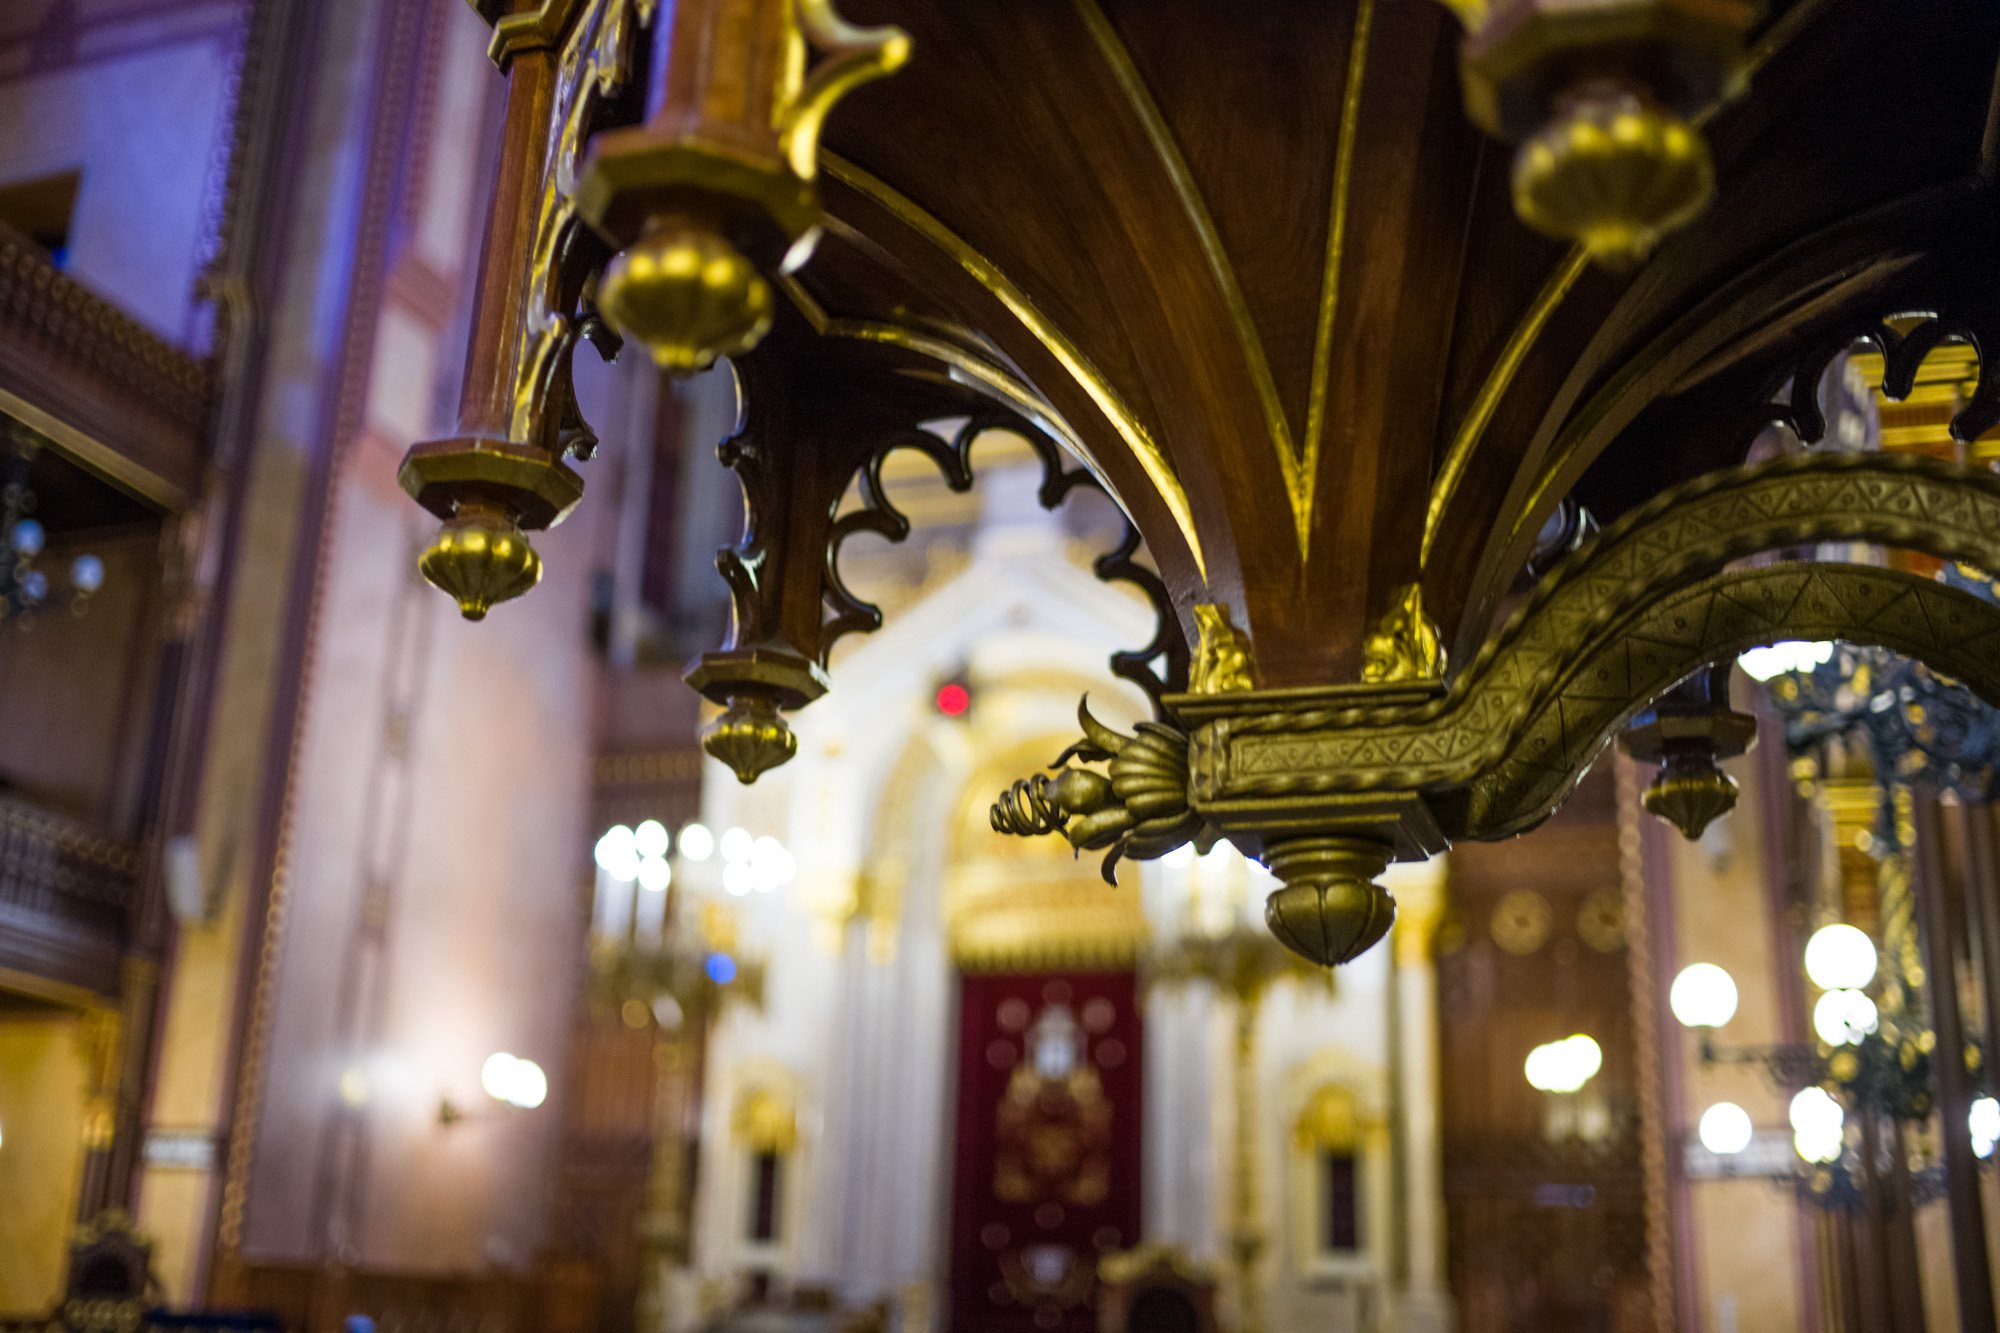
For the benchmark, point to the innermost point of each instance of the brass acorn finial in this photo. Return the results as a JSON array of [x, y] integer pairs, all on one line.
[[1690, 793], [1330, 910], [481, 557], [1613, 173], [750, 737], [688, 295]]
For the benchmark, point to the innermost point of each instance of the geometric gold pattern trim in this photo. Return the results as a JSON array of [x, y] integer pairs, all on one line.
[[1564, 657]]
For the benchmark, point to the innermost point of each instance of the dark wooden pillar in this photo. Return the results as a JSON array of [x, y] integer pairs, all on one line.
[[1941, 936]]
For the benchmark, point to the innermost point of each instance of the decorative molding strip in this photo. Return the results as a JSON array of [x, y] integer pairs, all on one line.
[[43, 307], [625, 770]]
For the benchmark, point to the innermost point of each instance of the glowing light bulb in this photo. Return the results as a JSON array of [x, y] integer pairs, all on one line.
[[1778, 658], [1703, 996], [616, 855], [518, 1082], [497, 1075], [736, 846], [1844, 1017], [86, 573], [650, 838], [1725, 1129], [1839, 957], [1984, 1122], [1564, 1066], [1816, 1109], [655, 873], [697, 843]]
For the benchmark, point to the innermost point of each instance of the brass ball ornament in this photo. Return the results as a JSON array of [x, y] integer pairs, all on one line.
[[481, 557], [688, 296]]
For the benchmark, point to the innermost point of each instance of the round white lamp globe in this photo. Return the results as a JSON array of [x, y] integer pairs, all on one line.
[[1984, 1122], [1839, 957], [1703, 996], [1725, 1129], [1815, 1108], [1844, 1017], [697, 843]]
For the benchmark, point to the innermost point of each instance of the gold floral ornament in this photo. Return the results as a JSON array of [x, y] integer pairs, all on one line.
[[765, 1122], [1138, 809], [1405, 645], [1222, 655], [1521, 922]]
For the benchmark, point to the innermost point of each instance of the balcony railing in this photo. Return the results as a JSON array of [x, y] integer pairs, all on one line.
[[102, 385], [66, 896]]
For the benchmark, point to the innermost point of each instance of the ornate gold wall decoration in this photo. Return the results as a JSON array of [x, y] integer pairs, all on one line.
[[765, 1121], [1521, 922], [1600, 920]]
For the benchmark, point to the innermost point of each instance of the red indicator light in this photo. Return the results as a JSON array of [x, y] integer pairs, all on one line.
[[953, 700]]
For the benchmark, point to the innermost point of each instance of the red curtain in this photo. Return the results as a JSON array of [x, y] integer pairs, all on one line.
[[1047, 1162]]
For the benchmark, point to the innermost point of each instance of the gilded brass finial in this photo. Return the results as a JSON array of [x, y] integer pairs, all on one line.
[[480, 557], [1405, 645], [1330, 910], [1222, 658], [750, 736], [1690, 793], [688, 296], [1613, 174]]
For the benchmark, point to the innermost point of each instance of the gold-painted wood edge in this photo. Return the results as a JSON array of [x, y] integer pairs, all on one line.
[[95, 456], [968, 368], [1088, 378], [1465, 441], [1336, 249], [1297, 480]]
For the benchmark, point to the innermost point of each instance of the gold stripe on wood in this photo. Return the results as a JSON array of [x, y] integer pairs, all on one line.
[[1336, 246], [969, 368], [1770, 44], [1298, 487], [1087, 376], [1498, 379]]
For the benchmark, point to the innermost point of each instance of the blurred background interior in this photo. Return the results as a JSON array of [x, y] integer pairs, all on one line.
[[360, 961]]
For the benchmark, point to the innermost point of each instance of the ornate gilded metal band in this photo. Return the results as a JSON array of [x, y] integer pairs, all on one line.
[[1952, 631], [1682, 536], [988, 275]]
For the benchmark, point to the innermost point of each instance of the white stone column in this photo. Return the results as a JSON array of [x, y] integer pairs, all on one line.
[[1421, 1303]]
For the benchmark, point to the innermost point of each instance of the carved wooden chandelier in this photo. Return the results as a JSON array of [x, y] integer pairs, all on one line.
[[1308, 288]]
